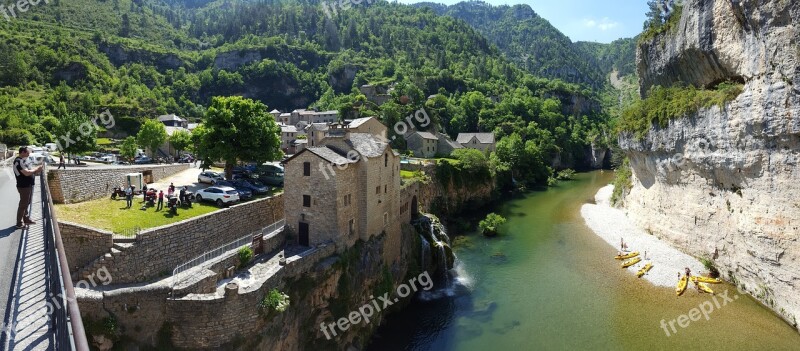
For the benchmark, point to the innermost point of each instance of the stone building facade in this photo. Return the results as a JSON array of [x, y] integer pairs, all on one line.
[[345, 190]]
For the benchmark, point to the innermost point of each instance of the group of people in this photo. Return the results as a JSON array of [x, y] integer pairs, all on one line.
[[151, 193]]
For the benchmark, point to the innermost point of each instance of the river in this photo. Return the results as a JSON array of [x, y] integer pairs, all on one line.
[[549, 283]]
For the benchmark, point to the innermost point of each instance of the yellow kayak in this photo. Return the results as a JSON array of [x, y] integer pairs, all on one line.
[[644, 270], [700, 279], [704, 287], [627, 256], [681, 288], [631, 262]]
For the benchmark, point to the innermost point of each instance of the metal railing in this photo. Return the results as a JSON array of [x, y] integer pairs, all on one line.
[[67, 323], [212, 254]]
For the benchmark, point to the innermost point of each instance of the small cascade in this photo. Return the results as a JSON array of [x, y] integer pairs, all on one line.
[[425, 253]]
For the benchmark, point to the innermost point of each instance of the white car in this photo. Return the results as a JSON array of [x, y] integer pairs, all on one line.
[[221, 195], [209, 177]]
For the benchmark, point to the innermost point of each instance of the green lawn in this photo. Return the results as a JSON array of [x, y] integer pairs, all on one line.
[[112, 215], [406, 174]]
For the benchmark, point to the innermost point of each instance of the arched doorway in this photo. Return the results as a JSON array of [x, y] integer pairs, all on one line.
[[414, 207]]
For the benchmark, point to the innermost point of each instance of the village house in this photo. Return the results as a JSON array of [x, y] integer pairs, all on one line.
[[369, 125], [345, 189], [478, 141], [172, 124], [289, 135], [422, 144]]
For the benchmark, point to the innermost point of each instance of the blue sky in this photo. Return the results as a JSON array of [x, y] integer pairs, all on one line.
[[583, 20]]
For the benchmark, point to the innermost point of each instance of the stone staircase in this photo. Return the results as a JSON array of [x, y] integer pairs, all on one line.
[[107, 260]]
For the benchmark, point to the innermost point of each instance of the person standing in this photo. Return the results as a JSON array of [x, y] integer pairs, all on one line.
[[25, 181], [129, 196], [61, 163], [144, 193], [171, 189], [160, 200]]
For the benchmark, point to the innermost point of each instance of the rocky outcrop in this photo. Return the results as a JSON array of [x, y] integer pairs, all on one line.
[[724, 183]]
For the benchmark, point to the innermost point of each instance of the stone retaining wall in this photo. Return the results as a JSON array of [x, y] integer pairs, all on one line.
[[156, 252], [83, 244], [83, 184]]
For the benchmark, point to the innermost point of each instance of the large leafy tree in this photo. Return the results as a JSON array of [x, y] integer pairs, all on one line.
[[152, 135], [128, 148], [180, 140], [76, 134], [237, 129]]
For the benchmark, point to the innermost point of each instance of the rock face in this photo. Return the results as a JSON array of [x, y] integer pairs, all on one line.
[[724, 184]]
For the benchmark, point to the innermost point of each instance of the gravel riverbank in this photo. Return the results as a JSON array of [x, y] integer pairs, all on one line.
[[611, 224]]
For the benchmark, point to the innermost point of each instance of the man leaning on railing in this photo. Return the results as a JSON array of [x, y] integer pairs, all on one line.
[[25, 181]]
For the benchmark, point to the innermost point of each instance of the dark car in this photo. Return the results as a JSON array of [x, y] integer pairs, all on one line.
[[244, 193], [143, 160], [255, 186], [271, 174]]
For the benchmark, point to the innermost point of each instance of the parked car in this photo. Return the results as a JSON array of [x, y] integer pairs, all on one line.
[[244, 193], [38, 159], [271, 178], [210, 177], [221, 195], [143, 160], [255, 186]]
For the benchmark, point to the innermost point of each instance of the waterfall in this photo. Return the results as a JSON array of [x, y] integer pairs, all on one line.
[[426, 252]]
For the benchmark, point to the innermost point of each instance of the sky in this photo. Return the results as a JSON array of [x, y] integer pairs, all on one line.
[[583, 20]]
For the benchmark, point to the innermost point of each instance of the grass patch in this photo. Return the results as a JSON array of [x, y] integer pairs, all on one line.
[[406, 174], [665, 104], [112, 215], [104, 141]]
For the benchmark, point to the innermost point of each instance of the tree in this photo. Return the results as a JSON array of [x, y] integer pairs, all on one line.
[[238, 129], [490, 225], [128, 148], [180, 140], [16, 137], [151, 135], [76, 134]]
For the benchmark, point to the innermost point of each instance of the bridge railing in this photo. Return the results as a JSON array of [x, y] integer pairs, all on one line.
[[67, 323]]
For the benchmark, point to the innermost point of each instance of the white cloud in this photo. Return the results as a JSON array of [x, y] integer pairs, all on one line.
[[603, 24]]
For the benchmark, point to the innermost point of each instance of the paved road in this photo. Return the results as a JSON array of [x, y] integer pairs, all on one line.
[[9, 237]]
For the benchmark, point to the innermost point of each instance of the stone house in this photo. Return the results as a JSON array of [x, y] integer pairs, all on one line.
[[172, 120], [342, 190], [316, 132], [422, 144], [446, 145], [479, 141], [289, 134]]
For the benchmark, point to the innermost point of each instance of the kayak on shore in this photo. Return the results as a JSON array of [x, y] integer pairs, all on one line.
[[627, 256], [682, 283], [644, 270], [631, 262]]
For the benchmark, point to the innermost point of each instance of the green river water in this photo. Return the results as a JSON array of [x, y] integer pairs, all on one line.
[[549, 283]]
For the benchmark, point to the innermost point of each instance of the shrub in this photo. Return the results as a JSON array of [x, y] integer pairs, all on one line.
[[709, 264], [665, 104], [274, 301], [491, 223], [245, 255], [622, 182], [566, 174]]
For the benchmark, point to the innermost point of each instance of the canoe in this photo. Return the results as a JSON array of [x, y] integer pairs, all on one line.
[[681, 288], [644, 270], [704, 287], [627, 256], [702, 279], [631, 262]]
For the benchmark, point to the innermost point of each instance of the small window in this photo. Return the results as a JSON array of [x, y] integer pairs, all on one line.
[[306, 200], [352, 226], [385, 188], [386, 160], [385, 219], [378, 189], [306, 169]]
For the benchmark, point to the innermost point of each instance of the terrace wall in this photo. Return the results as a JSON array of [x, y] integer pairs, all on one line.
[[83, 244], [83, 184]]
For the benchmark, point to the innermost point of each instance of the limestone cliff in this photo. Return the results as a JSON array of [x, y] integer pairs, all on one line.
[[724, 183]]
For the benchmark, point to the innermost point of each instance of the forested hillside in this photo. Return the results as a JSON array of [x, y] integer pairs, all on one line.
[[143, 58]]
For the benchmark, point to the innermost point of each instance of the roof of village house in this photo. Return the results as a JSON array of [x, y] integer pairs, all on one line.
[[319, 126], [171, 130], [483, 138], [329, 154], [368, 145], [285, 114], [170, 117], [275, 111], [426, 135], [358, 121], [449, 141], [288, 129]]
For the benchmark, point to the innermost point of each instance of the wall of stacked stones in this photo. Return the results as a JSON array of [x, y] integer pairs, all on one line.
[[83, 184], [156, 252], [83, 244]]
